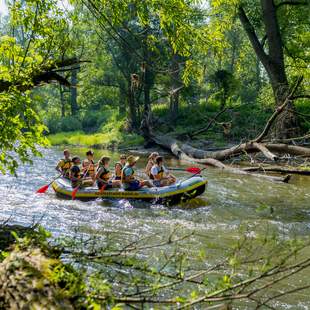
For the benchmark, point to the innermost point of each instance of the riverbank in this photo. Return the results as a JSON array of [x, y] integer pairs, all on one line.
[[96, 140], [112, 134], [203, 125], [212, 223]]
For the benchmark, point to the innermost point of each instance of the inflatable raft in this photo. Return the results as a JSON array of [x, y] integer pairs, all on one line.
[[178, 192]]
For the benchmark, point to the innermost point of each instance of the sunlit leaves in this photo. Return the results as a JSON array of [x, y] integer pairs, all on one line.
[[30, 46]]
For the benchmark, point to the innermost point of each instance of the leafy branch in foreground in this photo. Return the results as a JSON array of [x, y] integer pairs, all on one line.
[[165, 272], [30, 54], [117, 270]]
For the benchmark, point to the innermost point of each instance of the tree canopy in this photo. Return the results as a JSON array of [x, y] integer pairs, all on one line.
[[139, 57]]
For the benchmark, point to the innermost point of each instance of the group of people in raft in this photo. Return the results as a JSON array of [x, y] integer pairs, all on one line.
[[88, 172]]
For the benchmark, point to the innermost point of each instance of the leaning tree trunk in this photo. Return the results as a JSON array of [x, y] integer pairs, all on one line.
[[132, 107], [273, 62], [286, 125], [176, 86], [73, 89]]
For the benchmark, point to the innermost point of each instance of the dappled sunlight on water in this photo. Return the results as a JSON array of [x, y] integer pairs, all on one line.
[[229, 201]]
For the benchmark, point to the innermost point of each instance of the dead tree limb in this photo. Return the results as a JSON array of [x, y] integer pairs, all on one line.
[[206, 128], [278, 111], [46, 74], [277, 169], [186, 152]]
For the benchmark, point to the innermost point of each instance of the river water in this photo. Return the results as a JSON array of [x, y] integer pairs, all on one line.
[[230, 201]]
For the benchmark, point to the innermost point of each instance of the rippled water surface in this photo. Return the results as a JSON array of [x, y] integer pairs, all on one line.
[[229, 201]]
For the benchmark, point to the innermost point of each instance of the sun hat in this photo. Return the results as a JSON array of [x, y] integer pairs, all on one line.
[[104, 159], [132, 159]]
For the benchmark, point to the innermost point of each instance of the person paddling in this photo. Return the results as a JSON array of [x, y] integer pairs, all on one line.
[[88, 165], [75, 172], [65, 164], [160, 173], [128, 179], [151, 162], [119, 167], [103, 175]]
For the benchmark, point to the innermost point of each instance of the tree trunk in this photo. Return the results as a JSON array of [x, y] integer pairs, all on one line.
[[73, 90], [273, 62], [62, 100], [186, 152], [176, 86], [132, 107], [251, 147], [147, 100], [122, 98]]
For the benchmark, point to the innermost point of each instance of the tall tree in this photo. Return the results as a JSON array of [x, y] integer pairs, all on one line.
[[73, 90], [273, 60]]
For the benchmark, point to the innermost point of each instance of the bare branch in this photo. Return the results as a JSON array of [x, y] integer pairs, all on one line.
[[278, 111]]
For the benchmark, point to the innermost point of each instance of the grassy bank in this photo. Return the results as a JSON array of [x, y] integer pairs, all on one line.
[[242, 122], [96, 140], [110, 135]]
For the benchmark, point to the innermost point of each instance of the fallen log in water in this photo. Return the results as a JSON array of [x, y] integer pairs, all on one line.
[[277, 169], [188, 153]]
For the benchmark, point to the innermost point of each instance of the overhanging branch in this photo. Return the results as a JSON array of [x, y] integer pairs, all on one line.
[[45, 74]]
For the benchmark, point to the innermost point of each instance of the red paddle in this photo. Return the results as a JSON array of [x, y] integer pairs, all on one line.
[[194, 170], [102, 189], [75, 191], [44, 188]]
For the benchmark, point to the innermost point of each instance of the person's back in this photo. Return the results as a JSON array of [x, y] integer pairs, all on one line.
[[88, 165], [127, 176], [65, 164]]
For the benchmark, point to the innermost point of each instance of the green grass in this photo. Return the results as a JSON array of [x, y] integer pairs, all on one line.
[[110, 135], [246, 121], [101, 140]]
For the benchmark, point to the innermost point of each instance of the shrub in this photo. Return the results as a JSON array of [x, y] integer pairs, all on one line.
[[92, 120], [70, 123], [53, 125]]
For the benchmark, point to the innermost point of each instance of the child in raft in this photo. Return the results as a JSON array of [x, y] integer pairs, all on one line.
[[76, 176], [75, 172], [160, 174], [103, 175], [151, 162], [65, 164], [119, 167], [88, 165], [129, 180]]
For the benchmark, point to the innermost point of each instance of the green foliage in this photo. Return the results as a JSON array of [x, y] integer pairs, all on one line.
[[196, 53], [70, 123], [21, 58], [34, 275]]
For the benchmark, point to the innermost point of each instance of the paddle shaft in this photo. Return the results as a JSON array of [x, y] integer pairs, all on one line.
[[77, 188], [55, 179], [188, 169], [44, 188], [193, 175]]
